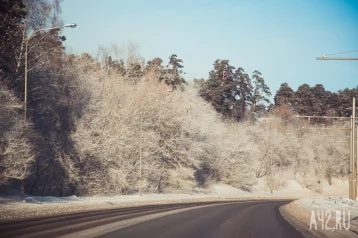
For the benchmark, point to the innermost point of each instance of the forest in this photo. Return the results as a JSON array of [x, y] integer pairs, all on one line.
[[90, 118]]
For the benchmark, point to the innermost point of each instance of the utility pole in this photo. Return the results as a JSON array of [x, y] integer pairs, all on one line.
[[140, 150], [353, 154], [354, 140], [351, 159], [356, 163], [354, 150]]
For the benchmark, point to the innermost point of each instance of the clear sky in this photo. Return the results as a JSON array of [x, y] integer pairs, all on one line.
[[280, 38]]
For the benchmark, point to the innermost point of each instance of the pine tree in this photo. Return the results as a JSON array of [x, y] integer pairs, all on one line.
[[260, 90], [319, 104], [303, 100], [222, 90], [284, 95], [333, 104], [244, 87], [172, 75], [345, 101]]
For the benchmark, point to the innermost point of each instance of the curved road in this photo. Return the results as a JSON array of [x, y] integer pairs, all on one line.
[[256, 219], [230, 219]]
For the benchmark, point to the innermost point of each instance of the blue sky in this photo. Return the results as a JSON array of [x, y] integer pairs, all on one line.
[[280, 38]]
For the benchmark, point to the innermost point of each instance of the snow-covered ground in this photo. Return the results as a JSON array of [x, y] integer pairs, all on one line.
[[14, 207], [330, 216]]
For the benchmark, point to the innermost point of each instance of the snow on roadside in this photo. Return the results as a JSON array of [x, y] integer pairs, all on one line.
[[215, 191], [11, 207], [331, 216], [339, 187], [17, 210]]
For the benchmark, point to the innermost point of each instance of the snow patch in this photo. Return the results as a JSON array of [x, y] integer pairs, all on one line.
[[299, 214], [227, 190], [339, 187], [50, 199], [329, 202], [287, 187]]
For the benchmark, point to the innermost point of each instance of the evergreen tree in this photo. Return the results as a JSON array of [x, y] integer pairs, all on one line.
[[284, 95], [319, 104], [303, 100], [222, 90], [260, 90], [172, 74], [345, 101], [333, 104], [244, 87]]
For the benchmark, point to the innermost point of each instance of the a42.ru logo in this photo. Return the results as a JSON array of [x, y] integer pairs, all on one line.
[[330, 220]]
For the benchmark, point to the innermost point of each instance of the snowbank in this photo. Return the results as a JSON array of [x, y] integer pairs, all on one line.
[[329, 216]]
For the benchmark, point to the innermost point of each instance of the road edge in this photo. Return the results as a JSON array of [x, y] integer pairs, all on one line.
[[288, 213], [29, 210], [299, 218]]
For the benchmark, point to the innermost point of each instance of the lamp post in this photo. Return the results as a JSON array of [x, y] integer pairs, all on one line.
[[140, 149], [354, 152], [72, 25]]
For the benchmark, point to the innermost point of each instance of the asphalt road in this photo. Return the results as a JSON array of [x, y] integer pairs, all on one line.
[[257, 219], [244, 219]]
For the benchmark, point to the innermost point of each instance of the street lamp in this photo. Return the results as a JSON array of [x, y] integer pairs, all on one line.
[[353, 167], [72, 25]]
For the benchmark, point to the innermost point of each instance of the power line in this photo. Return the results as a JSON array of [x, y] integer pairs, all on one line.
[[343, 52], [334, 58]]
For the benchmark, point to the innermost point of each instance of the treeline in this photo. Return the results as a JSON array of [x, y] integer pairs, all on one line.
[[236, 95], [316, 100], [91, 117]]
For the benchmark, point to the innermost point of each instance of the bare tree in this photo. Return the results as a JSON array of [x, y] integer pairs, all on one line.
[[16, 152]]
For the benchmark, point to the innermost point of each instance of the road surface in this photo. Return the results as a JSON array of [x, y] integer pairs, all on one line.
[[239, 219]]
